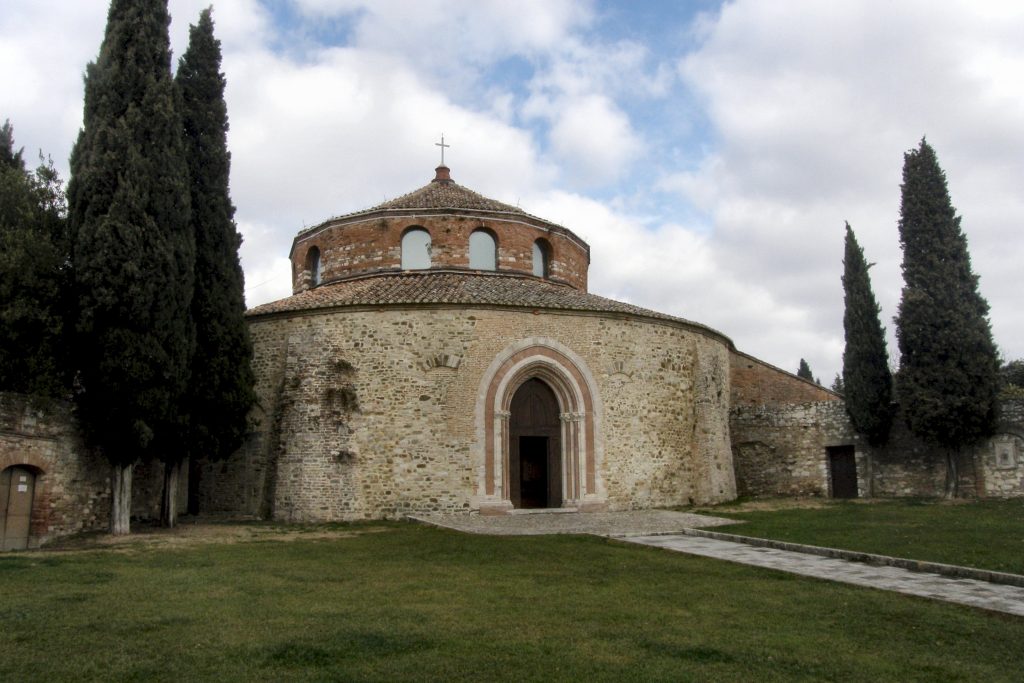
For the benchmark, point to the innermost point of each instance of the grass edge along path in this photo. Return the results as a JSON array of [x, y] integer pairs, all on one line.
[[986, 535], [415, 603]]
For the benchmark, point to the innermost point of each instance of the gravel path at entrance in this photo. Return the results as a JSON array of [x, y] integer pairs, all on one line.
[[634, 522]]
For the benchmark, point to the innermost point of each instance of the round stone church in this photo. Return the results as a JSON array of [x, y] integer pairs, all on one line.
[[441, 353]]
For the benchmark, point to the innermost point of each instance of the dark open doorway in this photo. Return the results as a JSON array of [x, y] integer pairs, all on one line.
[[535, 453], [842, 465]]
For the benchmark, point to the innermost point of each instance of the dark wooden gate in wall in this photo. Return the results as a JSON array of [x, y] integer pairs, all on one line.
[[842, 465], [535, 449], [17, 488]]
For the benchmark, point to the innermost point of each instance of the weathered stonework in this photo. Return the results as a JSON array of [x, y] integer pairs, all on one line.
[[71, 488], [1001, 460], [409, 439], [780, 446]]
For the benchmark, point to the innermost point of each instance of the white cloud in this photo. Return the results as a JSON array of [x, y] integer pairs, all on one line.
[[810, 107], [347, 131], [593, 139], [439, 32], [814, 104]]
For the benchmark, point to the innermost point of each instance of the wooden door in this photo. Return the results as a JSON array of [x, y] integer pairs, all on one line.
[[535, 453], [843, 467], [17, 487]]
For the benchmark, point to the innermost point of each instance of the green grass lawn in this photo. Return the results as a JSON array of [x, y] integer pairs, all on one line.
[[416, 603], [983, 534]]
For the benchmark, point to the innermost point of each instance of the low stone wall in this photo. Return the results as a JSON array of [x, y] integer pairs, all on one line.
[[72, 488], [781, 450], [1001, 461], [72, 484]]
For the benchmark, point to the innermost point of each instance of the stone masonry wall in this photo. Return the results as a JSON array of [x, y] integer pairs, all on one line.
[[72, 490], [372, 413], [372, 244], [1001, 460], [780, 450]]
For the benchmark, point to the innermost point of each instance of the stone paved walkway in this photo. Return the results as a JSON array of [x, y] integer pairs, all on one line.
[[660, 528], [990, 596]]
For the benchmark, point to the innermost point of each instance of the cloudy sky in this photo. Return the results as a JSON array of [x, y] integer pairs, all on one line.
[[708, 151]]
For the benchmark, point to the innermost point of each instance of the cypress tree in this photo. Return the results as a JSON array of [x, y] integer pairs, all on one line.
[[804, 371], [866, 381], [220, 391], [9, 159], [949, 369], [133, 250], [33, 267]]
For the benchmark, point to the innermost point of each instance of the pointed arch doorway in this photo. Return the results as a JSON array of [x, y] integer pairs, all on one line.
[[535, 451]]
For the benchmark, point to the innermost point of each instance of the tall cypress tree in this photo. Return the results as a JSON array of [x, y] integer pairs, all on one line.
[[133, 249], [949, 370], [33, 268], [220, 391], [866, 381], [804, 371]]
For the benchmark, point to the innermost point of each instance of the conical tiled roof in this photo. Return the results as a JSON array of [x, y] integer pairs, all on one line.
[[440, 194], [444, 193]]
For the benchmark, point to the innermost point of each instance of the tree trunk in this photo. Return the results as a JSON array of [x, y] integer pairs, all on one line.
[[952, 473], [121, 499], [194, 472], [169, 504]]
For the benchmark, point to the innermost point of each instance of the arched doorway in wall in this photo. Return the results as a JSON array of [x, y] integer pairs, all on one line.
[[17, 491], [535, 451], [537, 389]]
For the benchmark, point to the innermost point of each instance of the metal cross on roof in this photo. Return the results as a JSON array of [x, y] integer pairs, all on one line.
[[442, 146]]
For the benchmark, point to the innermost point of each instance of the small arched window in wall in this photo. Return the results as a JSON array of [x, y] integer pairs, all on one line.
[[415, 249], [541, 258], [314, 266], [483, 251]]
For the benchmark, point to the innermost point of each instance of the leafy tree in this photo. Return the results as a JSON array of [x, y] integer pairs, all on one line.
[[866, 377], [948, 378], [220, 392], [133, 250], [837, 384], [804, 372], [33, 269]]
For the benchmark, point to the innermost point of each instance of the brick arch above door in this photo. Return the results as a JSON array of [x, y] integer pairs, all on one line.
[[580, 414]]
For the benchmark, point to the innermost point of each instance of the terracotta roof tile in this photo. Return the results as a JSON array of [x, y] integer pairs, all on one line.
[[446, 287], [447, 195], [437, 196]]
